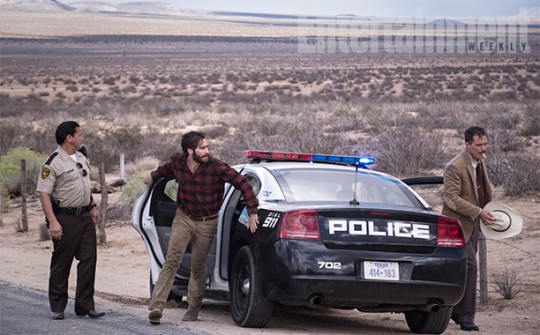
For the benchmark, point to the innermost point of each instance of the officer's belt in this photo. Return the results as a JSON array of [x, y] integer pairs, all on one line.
[[73, 210]]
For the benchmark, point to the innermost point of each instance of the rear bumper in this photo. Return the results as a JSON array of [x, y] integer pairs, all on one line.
[[298, 277], [348, 292]]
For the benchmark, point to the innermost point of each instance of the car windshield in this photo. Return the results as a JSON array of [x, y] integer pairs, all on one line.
[[339, 185]]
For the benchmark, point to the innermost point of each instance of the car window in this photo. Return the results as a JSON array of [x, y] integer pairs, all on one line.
[[255, 183], [171, 189], [329, 185]]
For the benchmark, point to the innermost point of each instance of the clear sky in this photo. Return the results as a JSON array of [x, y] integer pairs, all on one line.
[[387, 8]]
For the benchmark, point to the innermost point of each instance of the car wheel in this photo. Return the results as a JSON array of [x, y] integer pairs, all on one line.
[[249, 307], [428, 322], [174, 294]]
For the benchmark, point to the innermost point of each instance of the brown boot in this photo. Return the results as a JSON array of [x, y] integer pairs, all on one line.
[[191, 314], [155, 316]]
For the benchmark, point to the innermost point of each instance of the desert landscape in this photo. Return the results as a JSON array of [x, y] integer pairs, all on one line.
[[137, 82]]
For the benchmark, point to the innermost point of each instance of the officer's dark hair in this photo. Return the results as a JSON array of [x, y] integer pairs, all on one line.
[[191, 140], [64, 129], [473, 131]]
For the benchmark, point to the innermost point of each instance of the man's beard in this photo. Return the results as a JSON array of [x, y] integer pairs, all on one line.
[[200, 159]]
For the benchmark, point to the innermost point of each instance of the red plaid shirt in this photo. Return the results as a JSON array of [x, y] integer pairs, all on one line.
[[200, 194]]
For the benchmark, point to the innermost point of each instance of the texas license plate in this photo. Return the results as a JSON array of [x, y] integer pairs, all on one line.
[[381, 270]]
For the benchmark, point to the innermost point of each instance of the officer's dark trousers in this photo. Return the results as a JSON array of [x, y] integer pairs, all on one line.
[[78, 241], [465, 310]]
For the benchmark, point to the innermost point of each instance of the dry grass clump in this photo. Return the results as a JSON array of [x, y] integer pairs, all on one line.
[[507, 283]]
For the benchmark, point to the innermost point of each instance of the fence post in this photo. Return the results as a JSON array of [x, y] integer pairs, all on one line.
[[23, 223], [102, 236], [122, 166], [482, 255], [1, 207]]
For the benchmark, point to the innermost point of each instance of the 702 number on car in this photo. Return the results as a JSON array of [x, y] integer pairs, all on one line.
[[329, 265]]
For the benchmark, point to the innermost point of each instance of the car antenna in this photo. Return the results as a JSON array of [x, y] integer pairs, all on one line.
[[355, 202]]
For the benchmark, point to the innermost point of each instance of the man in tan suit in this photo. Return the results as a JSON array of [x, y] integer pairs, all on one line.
[[466, 191]]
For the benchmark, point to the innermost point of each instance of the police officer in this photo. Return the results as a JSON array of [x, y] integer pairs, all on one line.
[[71, 214]]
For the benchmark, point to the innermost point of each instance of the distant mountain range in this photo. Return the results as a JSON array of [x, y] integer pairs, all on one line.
[[151, 8], [135, 7], [144, 7], [138, 8], [34, 5]]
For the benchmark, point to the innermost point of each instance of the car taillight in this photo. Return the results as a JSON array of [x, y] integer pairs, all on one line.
[[300, 225], [449, 233]]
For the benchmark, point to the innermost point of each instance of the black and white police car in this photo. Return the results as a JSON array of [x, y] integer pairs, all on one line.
[[331, 233]]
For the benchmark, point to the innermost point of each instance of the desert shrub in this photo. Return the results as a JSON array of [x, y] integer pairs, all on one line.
[[107, 147], [142, 164], [532, 121], [134, 80], [507, 283], [300, 131], [72, 88], [8, 135], [516, 173], [10, 169], [4, 197], [134, 187], [216, 131], [111, 80], [506, 141], [160, 145], [406, 151]]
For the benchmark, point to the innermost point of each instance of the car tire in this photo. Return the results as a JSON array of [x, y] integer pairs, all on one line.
[[421, 322], [174, 294], [249, 306]]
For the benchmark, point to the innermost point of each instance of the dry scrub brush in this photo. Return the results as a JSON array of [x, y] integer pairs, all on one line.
[[507, 283], [406, 138]]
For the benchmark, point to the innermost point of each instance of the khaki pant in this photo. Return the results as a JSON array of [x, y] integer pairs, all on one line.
[[201, 234]]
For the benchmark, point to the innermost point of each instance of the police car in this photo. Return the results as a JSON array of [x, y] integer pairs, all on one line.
[[332, 233]]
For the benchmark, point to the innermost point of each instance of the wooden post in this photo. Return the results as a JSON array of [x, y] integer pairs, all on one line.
[[482, 264], [1, 206], [102, 236], [23, 223]]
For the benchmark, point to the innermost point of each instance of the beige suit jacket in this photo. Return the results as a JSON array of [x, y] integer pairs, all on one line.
[[460, 192]]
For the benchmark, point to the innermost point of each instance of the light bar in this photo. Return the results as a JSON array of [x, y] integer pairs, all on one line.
[[361, 161]]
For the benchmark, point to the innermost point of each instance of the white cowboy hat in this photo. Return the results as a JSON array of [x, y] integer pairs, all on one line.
[[508, 222]]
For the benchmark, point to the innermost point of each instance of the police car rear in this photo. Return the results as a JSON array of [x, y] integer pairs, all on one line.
[[348, 237]]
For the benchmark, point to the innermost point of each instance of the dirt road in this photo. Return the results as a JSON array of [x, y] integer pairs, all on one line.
[[122, 285]]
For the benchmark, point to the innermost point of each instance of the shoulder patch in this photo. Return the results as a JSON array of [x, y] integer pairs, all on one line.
[[45, 172]]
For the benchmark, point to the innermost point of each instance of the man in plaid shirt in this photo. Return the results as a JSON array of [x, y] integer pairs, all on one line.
[[201, 179]]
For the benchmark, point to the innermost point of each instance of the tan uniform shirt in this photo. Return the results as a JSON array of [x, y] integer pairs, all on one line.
[[66, 180]]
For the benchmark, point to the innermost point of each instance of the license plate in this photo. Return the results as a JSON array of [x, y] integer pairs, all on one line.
[[381, 270]]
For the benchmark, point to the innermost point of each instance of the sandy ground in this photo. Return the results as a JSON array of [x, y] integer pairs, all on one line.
[[122, 283]]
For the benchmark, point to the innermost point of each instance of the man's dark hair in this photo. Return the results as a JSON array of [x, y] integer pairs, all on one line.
[[471, 132], [64, 129], [191, 140]]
